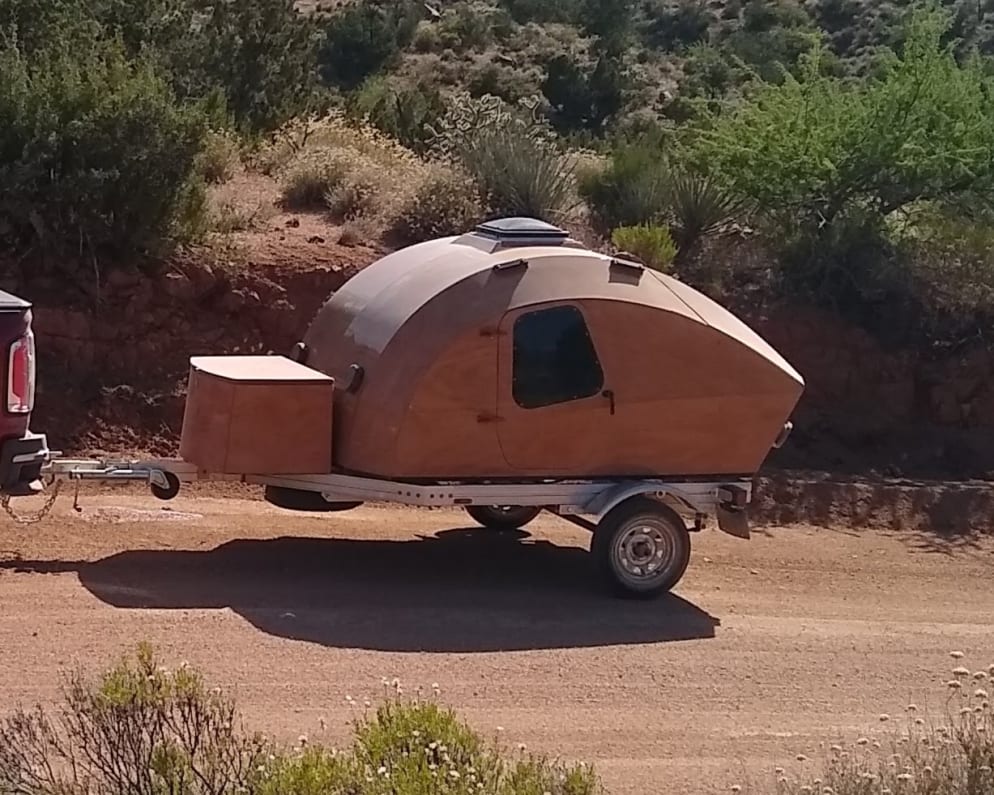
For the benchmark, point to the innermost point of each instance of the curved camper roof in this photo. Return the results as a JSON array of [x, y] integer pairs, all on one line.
[[382, 297], [406, 341]]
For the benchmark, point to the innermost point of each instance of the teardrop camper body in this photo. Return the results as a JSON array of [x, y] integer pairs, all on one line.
[[513, 352], [508, 371]]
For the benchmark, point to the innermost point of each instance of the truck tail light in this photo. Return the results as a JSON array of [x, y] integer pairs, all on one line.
[[21, 374]]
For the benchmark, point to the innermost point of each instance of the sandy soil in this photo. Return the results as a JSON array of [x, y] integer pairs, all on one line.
[[768, 647]]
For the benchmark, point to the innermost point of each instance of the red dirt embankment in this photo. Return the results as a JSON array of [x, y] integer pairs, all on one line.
[[113, 365]]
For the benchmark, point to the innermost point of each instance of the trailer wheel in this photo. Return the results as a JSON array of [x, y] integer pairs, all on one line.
[[641, 547], [503, 517]]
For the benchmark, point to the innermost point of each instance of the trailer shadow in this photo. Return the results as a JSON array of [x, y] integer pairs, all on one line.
[[454, 591]]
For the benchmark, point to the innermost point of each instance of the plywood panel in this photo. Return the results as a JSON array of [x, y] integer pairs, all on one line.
[[448, 428], [257, 415], [688, 400]]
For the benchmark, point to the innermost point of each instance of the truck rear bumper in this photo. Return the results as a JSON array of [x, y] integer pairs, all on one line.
[[21, 460]]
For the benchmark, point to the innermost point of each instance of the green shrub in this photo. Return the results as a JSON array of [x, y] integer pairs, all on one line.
[[311, 770], [466, 26], [97, 155], [824, 157], [524, 11], [403, 111], [137, 728], [699, 205], [582, 97], [220, 156], [675, 26], [261, 56], [141, 728], [631, 190], [514, 160], [446, 203], [652, 245], [354, 195], [256, 61], [365, 37], [311, 179], [520, 174]]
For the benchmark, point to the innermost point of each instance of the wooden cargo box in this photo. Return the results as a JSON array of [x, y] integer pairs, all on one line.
[[257, 415]]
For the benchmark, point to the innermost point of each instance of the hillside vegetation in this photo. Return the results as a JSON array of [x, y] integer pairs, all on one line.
[[852, 142]]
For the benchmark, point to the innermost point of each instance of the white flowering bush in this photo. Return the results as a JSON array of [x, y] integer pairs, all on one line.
[[953, 755], [140, 728]]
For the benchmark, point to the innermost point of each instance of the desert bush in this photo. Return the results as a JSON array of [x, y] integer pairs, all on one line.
[[524, 11], [446, 203], [262, 56], [401, 110], [631, 189], [355, 195], [363, 38], [514, 159], [142, 728], [520, 174], [675, 26], [232, 215], [97, 156], [311, 179], [466, 26], [821, 155], [220, 156], [255, 61], [953, 755], [583, 97], [699, 205], [949, 269], [136, 728], [349, 168], [652, 245]]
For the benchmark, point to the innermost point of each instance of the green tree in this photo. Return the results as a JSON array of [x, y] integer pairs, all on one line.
[[364, 38], [830, 161], [97, 155]]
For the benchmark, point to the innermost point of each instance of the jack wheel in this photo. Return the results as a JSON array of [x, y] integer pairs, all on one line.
[[641, 547], [169, 491], [503, 517]]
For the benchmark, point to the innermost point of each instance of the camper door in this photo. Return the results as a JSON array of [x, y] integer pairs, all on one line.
[[552, 396]]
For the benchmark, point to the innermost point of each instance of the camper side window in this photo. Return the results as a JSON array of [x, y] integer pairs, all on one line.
[[554, 358]]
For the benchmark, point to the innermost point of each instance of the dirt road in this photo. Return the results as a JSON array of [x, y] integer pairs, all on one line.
[[767, 648]]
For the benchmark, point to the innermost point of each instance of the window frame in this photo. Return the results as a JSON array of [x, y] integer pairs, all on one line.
[[588, 335]]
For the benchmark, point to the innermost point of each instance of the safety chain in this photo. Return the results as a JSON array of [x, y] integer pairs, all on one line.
[[5, 503]]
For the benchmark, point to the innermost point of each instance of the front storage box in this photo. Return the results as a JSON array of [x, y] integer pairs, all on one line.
[[253, 415]]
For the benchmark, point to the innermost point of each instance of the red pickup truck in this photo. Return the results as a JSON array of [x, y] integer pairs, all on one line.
[[22, 452]]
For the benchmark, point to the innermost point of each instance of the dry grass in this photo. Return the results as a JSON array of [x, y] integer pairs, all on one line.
[[948, 754], [353, 172]]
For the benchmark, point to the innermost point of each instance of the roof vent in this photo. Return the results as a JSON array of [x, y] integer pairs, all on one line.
[[522, 232]]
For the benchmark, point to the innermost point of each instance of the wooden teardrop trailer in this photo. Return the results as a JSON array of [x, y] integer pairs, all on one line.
[[509, 370]]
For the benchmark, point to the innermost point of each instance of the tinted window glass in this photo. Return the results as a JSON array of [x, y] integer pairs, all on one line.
[[554, 358]]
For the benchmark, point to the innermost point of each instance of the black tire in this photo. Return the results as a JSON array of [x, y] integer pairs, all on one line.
[[300, 500], [169, 491], [637, 534], [503, 517]]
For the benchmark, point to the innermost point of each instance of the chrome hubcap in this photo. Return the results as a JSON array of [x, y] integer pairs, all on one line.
[[643, 552]]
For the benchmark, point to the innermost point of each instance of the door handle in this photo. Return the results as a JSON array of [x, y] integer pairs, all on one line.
[[487, 417], [609, 394]]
